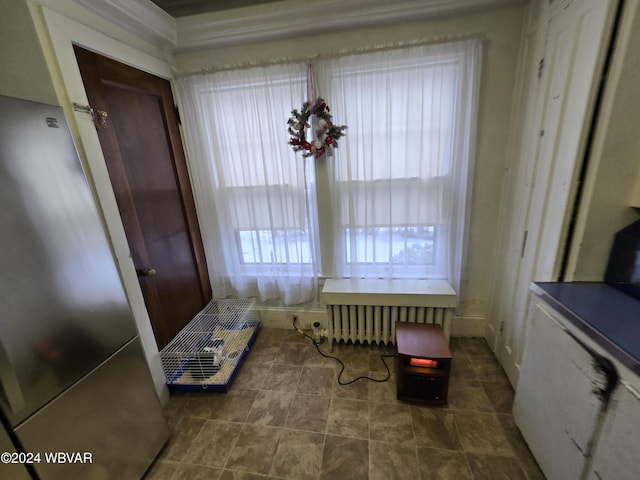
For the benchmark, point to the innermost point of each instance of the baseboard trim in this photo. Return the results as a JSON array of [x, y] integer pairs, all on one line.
[[281, 317]]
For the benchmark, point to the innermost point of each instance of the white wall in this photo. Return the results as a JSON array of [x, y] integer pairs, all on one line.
[[24, 73], [501, 31]]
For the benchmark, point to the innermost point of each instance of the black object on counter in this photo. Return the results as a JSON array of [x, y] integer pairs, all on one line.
[[623, 269]]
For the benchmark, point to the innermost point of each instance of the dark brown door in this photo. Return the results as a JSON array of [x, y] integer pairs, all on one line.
[[145, 159]]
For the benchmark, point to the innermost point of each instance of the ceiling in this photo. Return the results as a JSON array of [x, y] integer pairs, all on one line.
[[183, 8]]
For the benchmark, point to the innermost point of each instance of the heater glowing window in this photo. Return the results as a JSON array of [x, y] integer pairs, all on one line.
[[423, 362]]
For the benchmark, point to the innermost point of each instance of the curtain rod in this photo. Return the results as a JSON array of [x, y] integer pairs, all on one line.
[[336, 54]]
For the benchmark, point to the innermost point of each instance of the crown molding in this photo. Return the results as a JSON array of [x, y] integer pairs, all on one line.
[[270, 21], [295, 17], [142, 17]]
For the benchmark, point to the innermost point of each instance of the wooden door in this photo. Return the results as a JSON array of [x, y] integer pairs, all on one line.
[[575, 41], [146, 164]]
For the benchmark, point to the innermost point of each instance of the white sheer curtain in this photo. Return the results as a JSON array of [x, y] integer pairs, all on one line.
[[251, 190], [401, 177]]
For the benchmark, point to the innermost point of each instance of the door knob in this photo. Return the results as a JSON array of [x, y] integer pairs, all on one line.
[[146, 272]]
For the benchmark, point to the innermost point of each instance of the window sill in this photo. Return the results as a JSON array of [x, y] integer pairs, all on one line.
[[392, 292]]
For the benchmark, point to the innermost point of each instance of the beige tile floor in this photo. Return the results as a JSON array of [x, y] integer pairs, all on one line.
[[286, 416]]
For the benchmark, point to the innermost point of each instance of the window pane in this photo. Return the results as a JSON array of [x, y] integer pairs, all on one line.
[[404, 117], [274, 246], [246, 116], [404, 245]]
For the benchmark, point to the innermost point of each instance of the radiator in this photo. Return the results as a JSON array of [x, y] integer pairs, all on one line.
[[367, 310]]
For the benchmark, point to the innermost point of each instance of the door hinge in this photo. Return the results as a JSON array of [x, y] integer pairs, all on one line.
[[99, 117], [524, 243], [178, 115], [540, 67]]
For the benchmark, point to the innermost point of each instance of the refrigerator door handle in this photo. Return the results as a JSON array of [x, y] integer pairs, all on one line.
[[9, 383]]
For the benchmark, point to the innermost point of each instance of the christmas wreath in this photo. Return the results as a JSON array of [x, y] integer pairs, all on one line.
[[327, 134]]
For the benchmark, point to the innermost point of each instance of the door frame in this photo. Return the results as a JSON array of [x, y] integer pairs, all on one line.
[[57, 35]]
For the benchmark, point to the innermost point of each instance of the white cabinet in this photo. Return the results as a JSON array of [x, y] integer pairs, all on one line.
[[555, 405], [577, 401], [616, 452]]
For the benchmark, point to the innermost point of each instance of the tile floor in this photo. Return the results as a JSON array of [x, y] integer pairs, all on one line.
[[286, 417]]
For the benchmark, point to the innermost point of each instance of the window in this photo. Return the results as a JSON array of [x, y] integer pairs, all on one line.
[[251, 190], [399, 245], [276, 246], [397, 185]]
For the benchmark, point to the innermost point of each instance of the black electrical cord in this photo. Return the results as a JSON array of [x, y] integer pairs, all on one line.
[[342, 367]]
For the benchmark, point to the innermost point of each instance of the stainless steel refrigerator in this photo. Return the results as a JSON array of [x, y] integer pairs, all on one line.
[[76, 395]]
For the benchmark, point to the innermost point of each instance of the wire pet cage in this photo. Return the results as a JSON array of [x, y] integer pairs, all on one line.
[[208, 351]]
